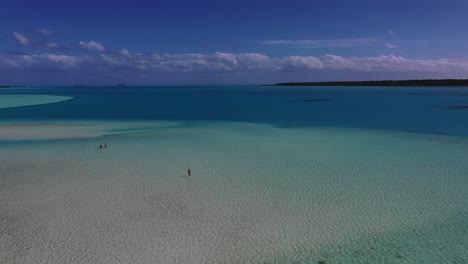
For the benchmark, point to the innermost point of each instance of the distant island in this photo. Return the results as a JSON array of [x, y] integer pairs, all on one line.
[[444, 82], [4, 86]]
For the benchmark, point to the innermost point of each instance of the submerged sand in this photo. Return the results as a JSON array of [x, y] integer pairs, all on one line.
[[257, 194], [20, 100], [33, 131]]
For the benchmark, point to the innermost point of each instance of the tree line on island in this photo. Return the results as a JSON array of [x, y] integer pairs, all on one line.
[[426, 82]]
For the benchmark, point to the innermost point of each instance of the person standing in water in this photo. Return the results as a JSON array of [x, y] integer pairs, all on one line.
[[189, 172]]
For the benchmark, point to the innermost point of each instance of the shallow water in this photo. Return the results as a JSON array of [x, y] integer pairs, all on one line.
[[258, 193], [21, 100]]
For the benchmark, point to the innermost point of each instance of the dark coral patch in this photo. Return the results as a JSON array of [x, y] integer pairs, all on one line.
[[458, 107]]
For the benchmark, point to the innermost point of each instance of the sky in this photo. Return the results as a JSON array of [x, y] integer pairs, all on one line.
[[58, 42]]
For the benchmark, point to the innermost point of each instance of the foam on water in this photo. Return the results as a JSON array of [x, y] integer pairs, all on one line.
[[257, 194], [19, 100]]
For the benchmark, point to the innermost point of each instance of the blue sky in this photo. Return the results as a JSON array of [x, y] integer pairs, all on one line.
[[230, 42]]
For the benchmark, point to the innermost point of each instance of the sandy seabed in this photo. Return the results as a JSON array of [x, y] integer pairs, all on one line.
[[21, 100], [257, 194]]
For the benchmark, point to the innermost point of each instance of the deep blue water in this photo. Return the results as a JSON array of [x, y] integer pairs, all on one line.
[[424, 110]]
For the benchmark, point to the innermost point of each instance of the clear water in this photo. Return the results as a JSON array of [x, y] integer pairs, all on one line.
[[424, 110], [275, 179]]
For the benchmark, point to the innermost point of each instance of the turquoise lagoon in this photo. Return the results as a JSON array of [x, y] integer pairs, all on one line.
[[279, 175]]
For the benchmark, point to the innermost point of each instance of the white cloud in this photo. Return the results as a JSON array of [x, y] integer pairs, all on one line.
[[21, 39], [333, 62], [323, 43], [124, 52], [44, 32], [391, 33], [392, 46], [300, 62], [226, 57], [25, 41], [64, 60], [92, 45], [43, 61], [111, 60], [51, 45]]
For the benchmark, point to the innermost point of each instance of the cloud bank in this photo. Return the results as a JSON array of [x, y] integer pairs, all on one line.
[[219, 67]]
